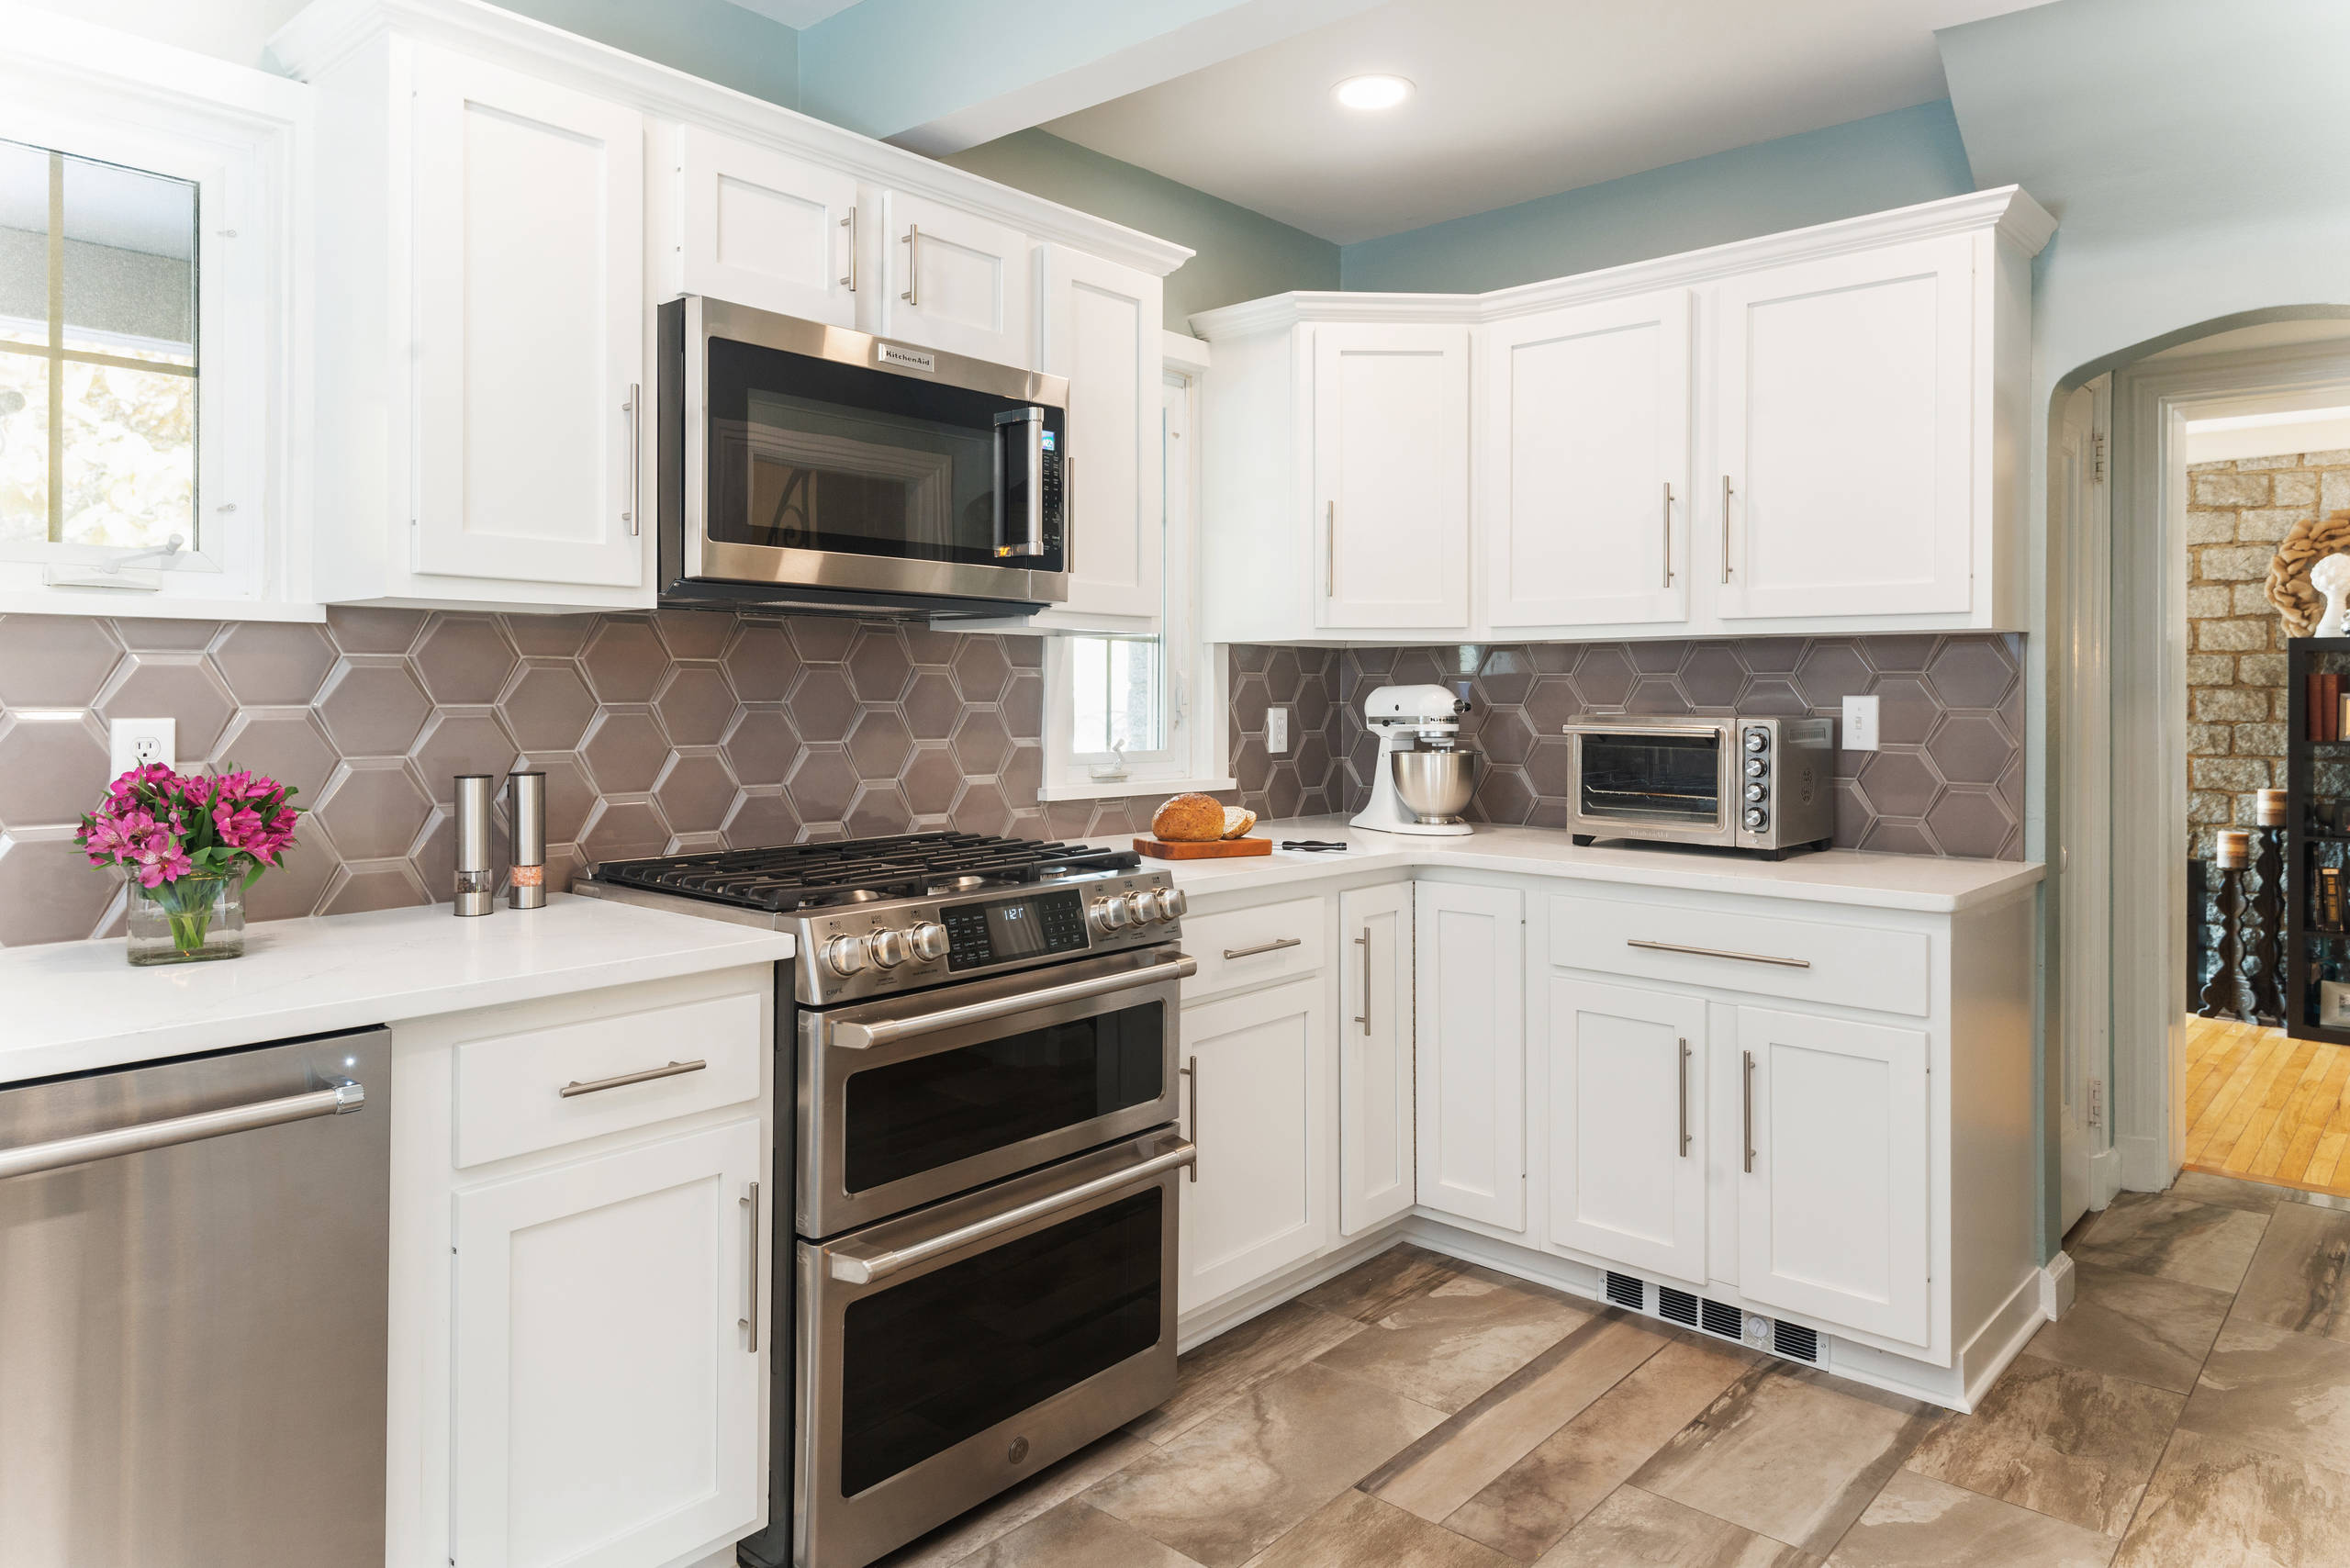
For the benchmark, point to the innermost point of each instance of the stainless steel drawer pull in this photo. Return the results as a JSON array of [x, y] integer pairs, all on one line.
[[1190, 1072], [1748, 1096], [647, 1076], [1716, 953], [864, 1270], [864, 1036], [1685, 1098], [1275, 945], [750, 1201], [336, 1099]]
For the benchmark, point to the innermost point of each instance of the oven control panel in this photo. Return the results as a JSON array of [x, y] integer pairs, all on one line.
[[1034, 927]]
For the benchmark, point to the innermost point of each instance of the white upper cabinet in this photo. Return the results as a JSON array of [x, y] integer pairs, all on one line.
[[955, 280], [762, 227], [1391, 475], [1469, 951], [1375, 1110], [1627, 1126], [1100, 327], [1586, 502], [1844, 413]]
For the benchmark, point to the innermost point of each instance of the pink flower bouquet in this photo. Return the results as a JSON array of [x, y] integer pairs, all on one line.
[[188, 845]]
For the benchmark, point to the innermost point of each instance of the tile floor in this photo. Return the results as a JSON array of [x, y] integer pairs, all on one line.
[[2192, 1411]]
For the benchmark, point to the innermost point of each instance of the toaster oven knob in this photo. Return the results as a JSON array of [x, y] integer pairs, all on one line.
[[845, 954], [1756, 767], [1758, 740], [929, 939], [1754, 793], [891, 948], [1107, 915], [1756, 819]]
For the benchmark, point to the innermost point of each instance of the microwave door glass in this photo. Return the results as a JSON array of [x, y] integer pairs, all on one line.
[[1670, 779]]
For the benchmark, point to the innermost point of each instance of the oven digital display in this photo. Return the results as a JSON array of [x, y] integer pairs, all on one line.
[[999, 933]]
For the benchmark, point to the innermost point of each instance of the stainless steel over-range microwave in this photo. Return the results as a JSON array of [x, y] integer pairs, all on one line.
[[811, 467], [1745, 783]]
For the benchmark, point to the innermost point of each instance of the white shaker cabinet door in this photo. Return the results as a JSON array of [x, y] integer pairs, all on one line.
[[1375, 1154], [1586, 500], [1469, 1050], [607, 1402], [1835, 1216], [955, 281], [764, 229], [530, 327], [1257, 1102], [1101, 330], [1844, 403], [1391, 476], [1627, 1123]]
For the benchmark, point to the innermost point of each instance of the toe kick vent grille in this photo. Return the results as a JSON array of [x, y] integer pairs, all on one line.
[[1726, 1321], [1676, 1306], [1626, 1291], [1794, 1341]]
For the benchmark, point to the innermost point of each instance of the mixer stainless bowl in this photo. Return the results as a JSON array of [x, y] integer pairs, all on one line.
[[1434, 784]]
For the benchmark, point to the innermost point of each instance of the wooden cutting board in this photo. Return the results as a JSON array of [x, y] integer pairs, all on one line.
[[1219, 849]]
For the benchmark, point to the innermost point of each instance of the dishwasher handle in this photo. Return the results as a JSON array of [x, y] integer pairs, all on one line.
[[340, 1098]]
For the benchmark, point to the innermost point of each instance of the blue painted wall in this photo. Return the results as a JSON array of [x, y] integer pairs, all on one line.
[[728, 44], [1868, 165]]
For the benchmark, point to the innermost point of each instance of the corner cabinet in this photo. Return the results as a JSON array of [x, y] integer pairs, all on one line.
[[1389, 415], [1376, 1175]]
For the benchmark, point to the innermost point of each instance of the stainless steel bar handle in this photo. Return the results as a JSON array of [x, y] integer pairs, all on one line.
[[1716, 953], [914, 233], [1748, 1074], [750, 1200], [1684, 1099], [1668, 533], [849, 223], [336, 1099], [1363, 942], [598, 1085], [881, 1031], [1069, 514], [864, 1270], [1275, 945], [1724, 528], [1330, 551], [635, 425], [1190, 1071]]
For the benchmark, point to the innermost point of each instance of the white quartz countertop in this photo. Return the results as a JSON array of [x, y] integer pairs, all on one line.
[[75, 1006], [1826, 876]]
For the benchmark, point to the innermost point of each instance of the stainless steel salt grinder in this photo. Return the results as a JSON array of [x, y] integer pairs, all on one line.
[[526, 813], [477, 886]]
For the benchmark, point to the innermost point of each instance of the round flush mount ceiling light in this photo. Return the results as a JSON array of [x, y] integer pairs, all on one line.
[[1371, 93]]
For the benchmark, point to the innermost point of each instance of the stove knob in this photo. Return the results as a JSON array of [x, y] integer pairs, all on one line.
[[1162, 905], [1756, 819], [891, 948], [1142, 906], [845, 954], [1172, 902], [1107, 915], [929, 939]]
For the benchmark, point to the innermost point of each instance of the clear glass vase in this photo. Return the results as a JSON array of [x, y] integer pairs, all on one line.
[[187, 921]]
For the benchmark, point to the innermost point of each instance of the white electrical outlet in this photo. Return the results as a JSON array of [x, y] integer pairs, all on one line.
[[1276, 729], [139, 743], [1860, 724]]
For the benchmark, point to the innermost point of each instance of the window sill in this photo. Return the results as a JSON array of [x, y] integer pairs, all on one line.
[[133, 606], [1119, 788]]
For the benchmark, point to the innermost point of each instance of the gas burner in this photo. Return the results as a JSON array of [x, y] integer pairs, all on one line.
[[962, 884], [865, 870], [827, 899]]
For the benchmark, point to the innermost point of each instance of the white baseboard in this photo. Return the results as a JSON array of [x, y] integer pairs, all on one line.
[[2146, 1165], [2105, 1178], [2056, 1281]]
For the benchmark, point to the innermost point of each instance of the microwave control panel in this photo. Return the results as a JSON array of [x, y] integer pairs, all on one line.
[[1033, 927]]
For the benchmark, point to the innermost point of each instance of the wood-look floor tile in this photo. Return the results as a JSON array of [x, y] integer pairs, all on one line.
[[1074, 1536], [1448, 1345], [1355, 1529], [2208, 1187], [1238, 1480], [2075, 1445], [2216, 1504], [1007, 1511], [1212, 1375], [2172, 1238], [1918, 1522], [1531, 1505], [1452, 1463], [2300, 1277], [1633, 1527], [2270, 1388], [1370, 1290], [1793, 1455], [2135, 1326]]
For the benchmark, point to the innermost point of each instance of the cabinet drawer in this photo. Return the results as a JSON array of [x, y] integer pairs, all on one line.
[[509, 1088], [1251, 946], [1850, 966]]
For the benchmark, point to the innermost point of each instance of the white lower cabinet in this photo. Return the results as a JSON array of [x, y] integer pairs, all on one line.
[[607, 1406], [1469, 1050], [1375, 1169], [1835, 1213], [1626, 1122], [1258, 1073]]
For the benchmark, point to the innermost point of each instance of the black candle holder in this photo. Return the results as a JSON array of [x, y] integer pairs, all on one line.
[[2226, 994], [2265, 964]]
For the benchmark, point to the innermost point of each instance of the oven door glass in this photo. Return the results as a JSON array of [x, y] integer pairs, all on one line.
[[1651, 778], [809, 453]]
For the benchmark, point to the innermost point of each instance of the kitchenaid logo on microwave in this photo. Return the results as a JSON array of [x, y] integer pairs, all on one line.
[[910, 359]]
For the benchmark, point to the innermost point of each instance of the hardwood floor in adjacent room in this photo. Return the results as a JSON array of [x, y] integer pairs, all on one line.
[[2267, 1108]]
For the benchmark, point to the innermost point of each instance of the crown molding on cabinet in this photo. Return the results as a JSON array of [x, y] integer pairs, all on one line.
[[328, 31], [2020, 220]]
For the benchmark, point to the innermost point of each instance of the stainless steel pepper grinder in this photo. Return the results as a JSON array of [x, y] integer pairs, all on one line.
[[477, 886], [526, 813]]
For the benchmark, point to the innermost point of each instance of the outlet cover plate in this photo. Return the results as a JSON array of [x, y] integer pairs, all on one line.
[[1860, 724], [1276, 730], [133, 743]]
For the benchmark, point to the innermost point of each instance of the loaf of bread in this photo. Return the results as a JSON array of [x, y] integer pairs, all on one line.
[[1189, 819]]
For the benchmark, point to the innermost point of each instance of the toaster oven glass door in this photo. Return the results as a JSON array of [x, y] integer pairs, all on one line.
[[1664, 780]]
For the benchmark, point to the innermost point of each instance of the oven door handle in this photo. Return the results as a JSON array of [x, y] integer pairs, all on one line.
[[864, 1270], [854, 1036]]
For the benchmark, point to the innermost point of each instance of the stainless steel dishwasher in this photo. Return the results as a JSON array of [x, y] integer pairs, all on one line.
[[193, 1264]]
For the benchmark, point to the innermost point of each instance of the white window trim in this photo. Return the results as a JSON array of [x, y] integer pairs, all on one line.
[[244, 136], [1197, 677]]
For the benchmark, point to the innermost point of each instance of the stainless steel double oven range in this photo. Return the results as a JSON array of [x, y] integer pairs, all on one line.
[[979, 1260]]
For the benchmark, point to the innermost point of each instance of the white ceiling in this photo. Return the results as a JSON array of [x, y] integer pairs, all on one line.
[[1517, 99], [796, 13]]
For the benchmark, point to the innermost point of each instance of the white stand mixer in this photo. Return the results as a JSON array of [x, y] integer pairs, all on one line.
[[1423, 782]]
